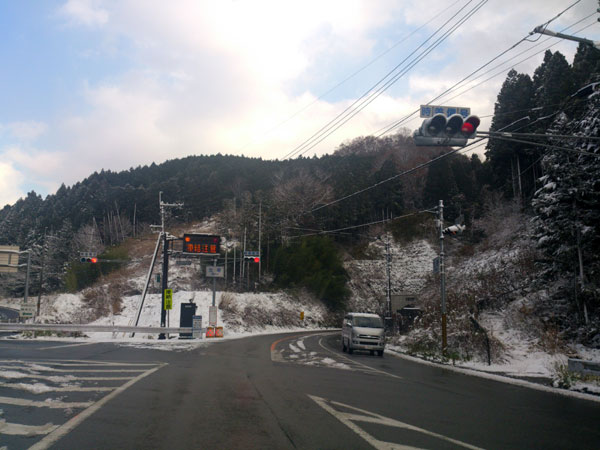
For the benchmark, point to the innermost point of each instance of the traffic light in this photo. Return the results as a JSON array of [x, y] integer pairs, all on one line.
[[452, 131], [93, 260], [469, 127], [88, 257], [454, 229]]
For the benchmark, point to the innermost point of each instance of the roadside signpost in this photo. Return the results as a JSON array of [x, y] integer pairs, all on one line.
[[215, 271], [197, 327], [168, 299], [27, 310]]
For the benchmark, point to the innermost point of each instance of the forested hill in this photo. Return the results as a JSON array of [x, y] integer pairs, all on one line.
[[205, 183], [551, 172]]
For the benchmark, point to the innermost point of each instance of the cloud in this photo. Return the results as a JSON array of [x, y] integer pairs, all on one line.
[[204, 77], [10, 180], [84, 12], [24, 131]]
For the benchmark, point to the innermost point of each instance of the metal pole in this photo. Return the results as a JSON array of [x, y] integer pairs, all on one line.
[[148, 278], [214, 282], [226, 281], [27, 276], [234, 263], [443, 278], [243, 267], [165, 285], [259, 235], [39, 299], [388, 258]]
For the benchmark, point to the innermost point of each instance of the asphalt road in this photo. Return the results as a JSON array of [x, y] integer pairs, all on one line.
[[276, 391]]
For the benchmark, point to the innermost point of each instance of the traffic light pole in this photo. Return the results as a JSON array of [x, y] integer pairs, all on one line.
[[442, 277]]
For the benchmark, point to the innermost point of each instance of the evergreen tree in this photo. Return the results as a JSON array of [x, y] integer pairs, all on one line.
[[568, 218], [514, 101]]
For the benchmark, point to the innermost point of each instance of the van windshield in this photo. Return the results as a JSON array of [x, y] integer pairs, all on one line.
[[367, 322]]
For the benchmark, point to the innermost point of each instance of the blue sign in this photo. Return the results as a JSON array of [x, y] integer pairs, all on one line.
[[428, 111]]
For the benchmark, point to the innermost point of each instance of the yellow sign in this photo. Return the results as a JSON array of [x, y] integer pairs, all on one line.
[[301, 315], [168, 298]]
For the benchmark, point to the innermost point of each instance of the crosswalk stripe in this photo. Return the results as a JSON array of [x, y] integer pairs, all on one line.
[[46, 404], [17, 429], [42, 389]]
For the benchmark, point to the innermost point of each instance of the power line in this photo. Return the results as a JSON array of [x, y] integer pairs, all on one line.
[[349, 77], [375, 91], [389, 128], [541, 144], [510, 134], [378, 222]]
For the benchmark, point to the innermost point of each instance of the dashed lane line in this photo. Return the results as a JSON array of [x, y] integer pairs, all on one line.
[[52, 404]]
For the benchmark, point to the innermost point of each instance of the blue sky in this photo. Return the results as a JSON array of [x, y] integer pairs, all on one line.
[[92, 84]]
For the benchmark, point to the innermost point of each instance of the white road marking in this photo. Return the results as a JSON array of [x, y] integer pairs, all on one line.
[[78, 362], [52, 347], [38, 368], [360, 364], [294, 348], [53, 404], [301, 344], [39, 388], [16, 429], [56, 378], [61, 431], [348, 419]]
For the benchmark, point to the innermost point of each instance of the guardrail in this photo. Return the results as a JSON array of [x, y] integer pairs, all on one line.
[[94, 328], [585, 367]]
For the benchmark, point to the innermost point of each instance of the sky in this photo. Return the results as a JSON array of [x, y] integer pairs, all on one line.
[[87, 85]]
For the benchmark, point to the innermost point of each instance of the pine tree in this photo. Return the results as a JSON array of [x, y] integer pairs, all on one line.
[[514, 101], [568, 218]]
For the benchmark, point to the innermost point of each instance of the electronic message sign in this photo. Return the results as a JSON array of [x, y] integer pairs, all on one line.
[[201, 244]]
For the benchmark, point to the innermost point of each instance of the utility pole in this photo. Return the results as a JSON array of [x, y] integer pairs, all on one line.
[[165, 268], [259, 236], [388, 266], [442, 277], [542, 30], [234, 263], [39, 299]]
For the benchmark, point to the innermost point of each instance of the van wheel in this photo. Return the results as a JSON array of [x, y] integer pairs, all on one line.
[[350, 349], [380, 353], [343, 345], [372, 352]]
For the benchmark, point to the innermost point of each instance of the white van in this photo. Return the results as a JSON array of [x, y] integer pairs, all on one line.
[[362, 331]]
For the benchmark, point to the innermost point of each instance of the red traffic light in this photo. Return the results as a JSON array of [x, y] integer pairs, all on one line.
[[470, 125], [94, 260], [257, 260]]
